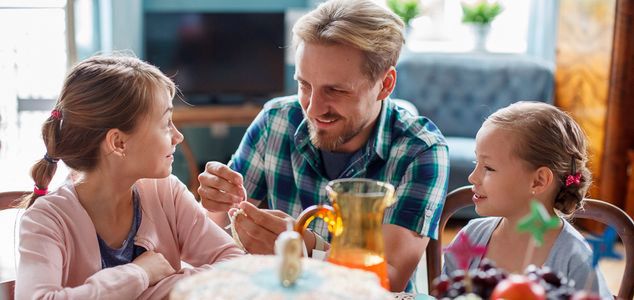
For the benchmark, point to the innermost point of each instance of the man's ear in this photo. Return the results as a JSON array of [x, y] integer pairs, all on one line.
[[115, 142], [542, 179], [388, 83]]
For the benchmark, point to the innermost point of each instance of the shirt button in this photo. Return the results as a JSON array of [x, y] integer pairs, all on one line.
[[428, 213]]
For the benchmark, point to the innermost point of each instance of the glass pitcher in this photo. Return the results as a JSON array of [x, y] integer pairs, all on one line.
[[355, 222]]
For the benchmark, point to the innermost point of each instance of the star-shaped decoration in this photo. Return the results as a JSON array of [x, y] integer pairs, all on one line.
[[603, 246], [537, 222], [464, 251]]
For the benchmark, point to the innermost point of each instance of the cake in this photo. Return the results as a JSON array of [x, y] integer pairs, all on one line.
[[257, 277]]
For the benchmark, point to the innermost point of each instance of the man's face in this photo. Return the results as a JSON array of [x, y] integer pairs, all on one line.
[[340, 103]]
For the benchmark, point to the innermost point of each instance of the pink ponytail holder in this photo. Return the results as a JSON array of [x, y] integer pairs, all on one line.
[[40, 192], [56, 114], [573, 179]]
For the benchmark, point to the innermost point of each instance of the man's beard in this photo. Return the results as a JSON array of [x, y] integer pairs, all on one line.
[[323, 141]]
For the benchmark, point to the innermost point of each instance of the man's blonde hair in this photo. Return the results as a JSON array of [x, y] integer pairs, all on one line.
[[362, 24]]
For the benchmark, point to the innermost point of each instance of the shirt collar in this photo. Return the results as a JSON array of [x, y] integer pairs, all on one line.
[[383, 130]]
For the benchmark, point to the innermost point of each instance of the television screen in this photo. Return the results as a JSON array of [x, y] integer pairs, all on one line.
[[216, 56]]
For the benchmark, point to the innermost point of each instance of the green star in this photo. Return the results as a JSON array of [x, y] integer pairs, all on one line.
[[537, 222]]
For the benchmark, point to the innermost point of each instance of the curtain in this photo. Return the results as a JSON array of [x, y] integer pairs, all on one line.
[[542, 29]]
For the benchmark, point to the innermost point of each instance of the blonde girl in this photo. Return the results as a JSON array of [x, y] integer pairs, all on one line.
[[530, 151]]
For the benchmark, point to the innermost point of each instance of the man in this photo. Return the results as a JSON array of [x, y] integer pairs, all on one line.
[[340, 124]]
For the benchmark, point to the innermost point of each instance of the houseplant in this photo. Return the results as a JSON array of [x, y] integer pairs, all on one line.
[[479, 14], [406, 9]]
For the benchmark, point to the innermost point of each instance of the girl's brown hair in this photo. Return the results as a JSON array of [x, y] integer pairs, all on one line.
[[99, 94], [549, 137]]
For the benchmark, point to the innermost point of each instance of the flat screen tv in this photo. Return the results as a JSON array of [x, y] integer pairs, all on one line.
[[218, 57]]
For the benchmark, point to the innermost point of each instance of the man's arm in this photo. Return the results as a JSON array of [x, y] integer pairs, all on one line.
[[403, 250], [421, 195]]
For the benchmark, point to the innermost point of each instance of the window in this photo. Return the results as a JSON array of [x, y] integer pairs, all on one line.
[[439, 28], [33, 63]]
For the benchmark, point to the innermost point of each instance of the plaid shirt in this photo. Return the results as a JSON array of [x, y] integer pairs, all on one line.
[[281, 165]]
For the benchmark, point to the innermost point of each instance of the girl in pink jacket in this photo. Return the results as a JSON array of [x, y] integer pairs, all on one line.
[[122, 228]]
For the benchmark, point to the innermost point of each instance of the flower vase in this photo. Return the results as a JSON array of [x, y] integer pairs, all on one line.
[[480, 36]]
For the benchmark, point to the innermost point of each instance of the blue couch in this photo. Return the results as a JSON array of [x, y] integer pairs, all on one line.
[[458, 91]]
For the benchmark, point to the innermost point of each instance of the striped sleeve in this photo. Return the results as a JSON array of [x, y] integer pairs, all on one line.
[[421, 192], [249, 158]]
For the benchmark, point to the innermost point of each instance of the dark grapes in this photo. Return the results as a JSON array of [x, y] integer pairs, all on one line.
[[485, 278], [483, 281], [552, 278]]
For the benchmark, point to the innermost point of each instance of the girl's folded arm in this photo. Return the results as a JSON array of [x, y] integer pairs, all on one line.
[[42, 261]]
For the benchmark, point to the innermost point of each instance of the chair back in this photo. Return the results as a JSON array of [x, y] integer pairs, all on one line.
[[9, 200], [596, 210], [616, 218], [455, 200], [7, 289]]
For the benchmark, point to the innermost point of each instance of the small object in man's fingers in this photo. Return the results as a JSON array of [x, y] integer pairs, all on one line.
[[232, 225]]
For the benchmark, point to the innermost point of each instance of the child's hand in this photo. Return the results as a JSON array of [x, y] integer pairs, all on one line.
[[155, 265]]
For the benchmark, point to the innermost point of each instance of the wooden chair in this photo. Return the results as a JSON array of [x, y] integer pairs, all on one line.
[[596, 210], [7, 289], [9, 200]]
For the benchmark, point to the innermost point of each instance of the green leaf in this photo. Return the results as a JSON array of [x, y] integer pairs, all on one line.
[[482, 12], [405, 9]]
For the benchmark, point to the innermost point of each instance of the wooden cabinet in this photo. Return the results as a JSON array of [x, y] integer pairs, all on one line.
[[619, 131], [595, 83]]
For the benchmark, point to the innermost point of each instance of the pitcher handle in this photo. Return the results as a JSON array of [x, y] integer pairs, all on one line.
[[324, 212]]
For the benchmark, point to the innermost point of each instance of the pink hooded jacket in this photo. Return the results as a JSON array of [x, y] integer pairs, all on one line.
[[59, 252]]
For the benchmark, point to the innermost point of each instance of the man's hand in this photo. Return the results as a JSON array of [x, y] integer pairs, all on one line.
[[259, 229], [220, 187]]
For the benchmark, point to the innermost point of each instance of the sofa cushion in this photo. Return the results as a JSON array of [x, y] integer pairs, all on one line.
[[458, 91], [461, 157]]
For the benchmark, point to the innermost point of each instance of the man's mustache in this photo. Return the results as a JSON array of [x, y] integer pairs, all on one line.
[[329, 116]]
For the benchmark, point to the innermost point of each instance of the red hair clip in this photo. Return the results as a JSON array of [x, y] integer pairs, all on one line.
[[40, 192], [56, 114], [573, 179]]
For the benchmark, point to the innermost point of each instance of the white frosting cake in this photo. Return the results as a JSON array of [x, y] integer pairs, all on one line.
[[257, 277]]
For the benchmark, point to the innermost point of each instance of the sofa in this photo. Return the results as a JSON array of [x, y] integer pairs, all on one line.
[[457, 91]]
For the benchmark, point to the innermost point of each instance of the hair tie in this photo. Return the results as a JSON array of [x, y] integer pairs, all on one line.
[[50, 160], [573, 179], [38, 191], [56, 114]]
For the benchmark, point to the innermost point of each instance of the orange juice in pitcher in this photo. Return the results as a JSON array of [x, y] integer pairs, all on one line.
[[355, 222]]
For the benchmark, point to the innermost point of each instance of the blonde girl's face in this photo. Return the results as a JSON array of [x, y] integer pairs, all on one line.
[[153, 143], [501, 180]]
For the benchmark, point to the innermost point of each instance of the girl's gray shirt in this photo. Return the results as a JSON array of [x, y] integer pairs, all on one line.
[[570, 255]]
